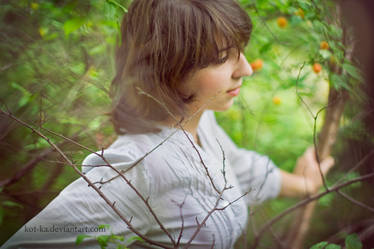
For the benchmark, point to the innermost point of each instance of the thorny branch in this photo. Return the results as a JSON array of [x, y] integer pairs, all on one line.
[[27, 168], [215, 208], [305, 202], [315, 117], [145, 200], [182, 220], [90, 184], [120, 174], [358, 203]]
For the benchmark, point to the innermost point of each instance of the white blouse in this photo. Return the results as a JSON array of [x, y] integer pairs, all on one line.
[[169, 175]]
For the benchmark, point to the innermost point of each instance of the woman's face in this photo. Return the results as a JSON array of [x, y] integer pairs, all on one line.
[[216, 86]]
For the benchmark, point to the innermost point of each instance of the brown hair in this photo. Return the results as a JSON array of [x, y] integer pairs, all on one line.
[[163, 41]]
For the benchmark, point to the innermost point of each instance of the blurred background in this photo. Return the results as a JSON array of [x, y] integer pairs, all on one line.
[[57, 63]]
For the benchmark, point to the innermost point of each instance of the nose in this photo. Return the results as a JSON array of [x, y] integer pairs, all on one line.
[[243, 68]]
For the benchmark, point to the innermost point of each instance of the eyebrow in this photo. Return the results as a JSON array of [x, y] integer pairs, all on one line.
[[225, 49], [228, 48]]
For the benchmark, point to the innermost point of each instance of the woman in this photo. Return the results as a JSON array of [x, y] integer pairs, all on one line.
[[179, 61]]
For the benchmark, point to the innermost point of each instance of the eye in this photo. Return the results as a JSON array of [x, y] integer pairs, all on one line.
[[222, 59], [223, 56]]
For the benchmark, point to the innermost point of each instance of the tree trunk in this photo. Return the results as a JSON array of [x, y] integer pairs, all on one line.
[[326, 140]]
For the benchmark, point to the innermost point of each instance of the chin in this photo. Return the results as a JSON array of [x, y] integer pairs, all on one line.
[[223, 107]]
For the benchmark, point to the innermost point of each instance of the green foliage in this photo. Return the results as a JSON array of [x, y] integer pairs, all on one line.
[[4, 205], [105, 240], [57, 62], [351, 242], [320, 245]]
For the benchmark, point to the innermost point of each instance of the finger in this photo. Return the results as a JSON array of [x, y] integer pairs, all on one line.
[[327, 164], [310, 152]]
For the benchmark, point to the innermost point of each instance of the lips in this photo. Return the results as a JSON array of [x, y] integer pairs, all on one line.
[[234, 91]]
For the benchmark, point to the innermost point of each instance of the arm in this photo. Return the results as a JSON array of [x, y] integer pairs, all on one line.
[[255, 173], [306, 178], [78, 209]]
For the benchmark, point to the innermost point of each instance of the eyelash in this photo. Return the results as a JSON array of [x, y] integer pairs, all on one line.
[[226, 57], [222, 60]]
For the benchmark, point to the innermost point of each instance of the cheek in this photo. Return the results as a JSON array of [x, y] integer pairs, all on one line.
[[209, 84]]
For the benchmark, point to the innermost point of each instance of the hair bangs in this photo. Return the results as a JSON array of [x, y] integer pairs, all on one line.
[[163, 43], [224, 26]]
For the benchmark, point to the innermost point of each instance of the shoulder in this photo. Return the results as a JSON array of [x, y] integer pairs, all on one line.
[[126, 149], [151, 158]]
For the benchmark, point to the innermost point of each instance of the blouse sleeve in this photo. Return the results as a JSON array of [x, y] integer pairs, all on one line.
[[79, 209], [255, 173]]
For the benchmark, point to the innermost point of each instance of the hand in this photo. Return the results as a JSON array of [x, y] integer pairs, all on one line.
[[307, 167]]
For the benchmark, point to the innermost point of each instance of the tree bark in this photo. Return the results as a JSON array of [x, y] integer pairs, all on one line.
[[326, 140]]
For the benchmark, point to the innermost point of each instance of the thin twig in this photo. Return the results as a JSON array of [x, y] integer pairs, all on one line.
[[358, 203], [219, 197], [306, 201], [202, 161], [90, 184], [27, 168], [315, 117], [182, 220]]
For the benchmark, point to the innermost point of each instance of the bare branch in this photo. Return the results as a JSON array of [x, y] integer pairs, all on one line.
[[219, 197], [305, 202], [358, 203], [202, 161], [182, 220], [90, 184], [214, 241], [27, 168], [315, 117]]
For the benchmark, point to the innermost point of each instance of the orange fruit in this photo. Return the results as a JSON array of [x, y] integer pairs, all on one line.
[[300, 13], [282, 22], [324, 45], [257, 64], [276, 100], [317, 68]]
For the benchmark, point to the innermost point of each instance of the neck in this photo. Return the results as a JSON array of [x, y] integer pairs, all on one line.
[[189, 124]]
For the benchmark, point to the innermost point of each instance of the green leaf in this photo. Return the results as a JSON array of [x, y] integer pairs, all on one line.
[[266, 47], [326, 200], [122, 247], [104, 226], [353, 242], [333, 246], [25, 100], [134, 238], [320, 245], [72, 25], [11, 204], [338, 81], [27, 96], [351, 176], [78, 68], [352, 71], [80, 238], [121, 238], [115, 3], [325, 54], [40, 144], [103, 240]]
